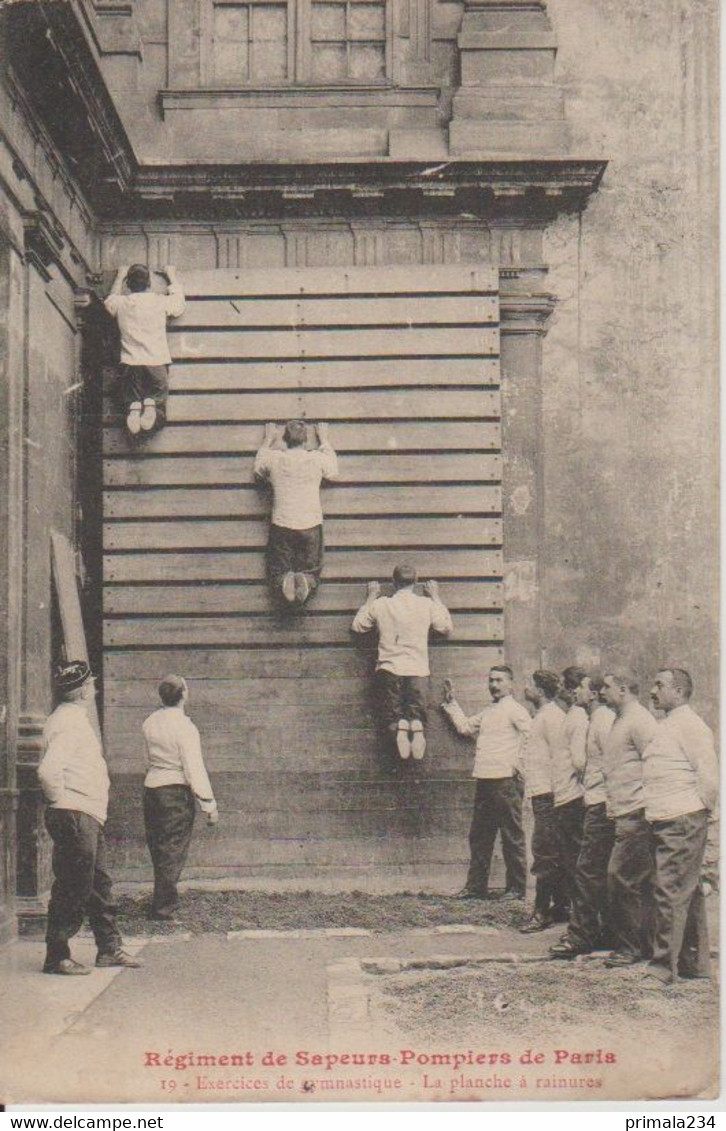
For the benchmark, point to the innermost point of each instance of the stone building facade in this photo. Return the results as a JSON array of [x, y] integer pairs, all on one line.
[[477, 236]]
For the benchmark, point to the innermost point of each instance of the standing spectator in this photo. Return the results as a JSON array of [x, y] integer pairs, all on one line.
[[630, 871], [74, 779], [567, 773], [142, 389], [295, 544], [588, 924], [175, 776], [545, 738], [403, 622], [501, 731], [680, 781]]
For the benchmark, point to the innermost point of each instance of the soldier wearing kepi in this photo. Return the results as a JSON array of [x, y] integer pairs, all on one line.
[[74, 779], [501, 731], [680, 783]]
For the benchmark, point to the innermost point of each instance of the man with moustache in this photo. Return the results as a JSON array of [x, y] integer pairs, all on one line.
[[680, 784], [545, 738], [568, 770], [501, 731], [589, 914], [630, 870]]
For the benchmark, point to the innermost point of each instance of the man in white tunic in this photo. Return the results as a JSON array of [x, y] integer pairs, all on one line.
[[680, 783], [403, 622], [175, 777], [500, 730]]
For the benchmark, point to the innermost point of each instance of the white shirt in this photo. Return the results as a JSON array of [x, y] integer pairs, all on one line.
[[73, 772], [141, 320], [500, 730], [296, 475], [680, 768], [601, 720], [174, 754], [545, 736], [568, 763], [403, 622], [623, 751]]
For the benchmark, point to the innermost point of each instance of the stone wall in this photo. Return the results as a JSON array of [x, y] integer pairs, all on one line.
[[630, 411]]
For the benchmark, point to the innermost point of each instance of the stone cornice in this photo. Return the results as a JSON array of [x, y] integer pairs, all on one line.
[[298, 97], [536, 189], [525, 313]]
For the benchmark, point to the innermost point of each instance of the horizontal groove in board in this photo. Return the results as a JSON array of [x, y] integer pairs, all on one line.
[[332, 596], [394, 435], [161, 631], [459, 278], [200, 665], [472, 341], [385, 467], [333, 374], [201, 502], [354, 564], [141, 693], [342, 310], [374, 532], [348, 405]]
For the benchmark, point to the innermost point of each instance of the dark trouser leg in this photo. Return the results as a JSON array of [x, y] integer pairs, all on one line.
[[74, 855], [280, 555], [129, 386], [509, 796], [546, 863], [679, 845], [569, 819], [169, 820], [630, 872], [413, 696], [482, 834], [309, 555], [101, 907], [156, 385], [695, 956], [589, 908]]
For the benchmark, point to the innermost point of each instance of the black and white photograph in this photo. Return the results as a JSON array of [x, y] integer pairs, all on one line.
[[359, 603]]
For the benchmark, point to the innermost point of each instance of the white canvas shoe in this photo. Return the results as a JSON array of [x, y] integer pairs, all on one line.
[[403, 741], [133, 420], [288, 587], [148, 416], [418, 740]]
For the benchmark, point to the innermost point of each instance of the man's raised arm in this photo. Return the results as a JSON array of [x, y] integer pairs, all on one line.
[[329, 458], [364, 619], [263, 464], [440, 616]]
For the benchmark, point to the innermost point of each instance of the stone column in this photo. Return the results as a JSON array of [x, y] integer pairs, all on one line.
[[523, 325]]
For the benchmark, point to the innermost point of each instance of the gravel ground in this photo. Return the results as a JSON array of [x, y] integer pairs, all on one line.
[[221, 911], [542, 1001]]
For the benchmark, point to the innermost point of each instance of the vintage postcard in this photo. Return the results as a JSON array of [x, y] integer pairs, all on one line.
[[359, 637]]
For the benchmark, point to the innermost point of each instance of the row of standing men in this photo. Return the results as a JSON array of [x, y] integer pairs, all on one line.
[[621, 804]]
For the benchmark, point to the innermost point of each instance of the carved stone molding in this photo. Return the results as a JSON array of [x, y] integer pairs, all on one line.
[[526, 313]]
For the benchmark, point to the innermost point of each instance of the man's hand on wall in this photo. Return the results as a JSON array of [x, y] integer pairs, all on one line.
[[374, 590], [322, 431], [270, 433], [431, 589]]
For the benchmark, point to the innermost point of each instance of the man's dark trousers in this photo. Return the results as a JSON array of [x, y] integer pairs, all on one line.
[[294, 551], [497, 809], [140, 382], [550, 892], [630, 877], [589, 915], [169, 820], [569, 820], [81, 884], [680, 943], [400, 697]]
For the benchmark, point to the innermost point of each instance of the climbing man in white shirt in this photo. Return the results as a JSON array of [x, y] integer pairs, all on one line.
[[501, 731], [295, 542], [175, 777], [403, 622], [142, 388], [680, 785], [74, 780]]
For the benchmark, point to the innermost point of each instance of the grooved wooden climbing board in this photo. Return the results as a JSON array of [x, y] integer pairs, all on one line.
[[403, 364]]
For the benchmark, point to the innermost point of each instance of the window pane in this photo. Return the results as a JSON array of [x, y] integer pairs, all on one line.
[[367, 21], [367, 61], [329, 61], [328, 21], [230, 53], [268, 49]]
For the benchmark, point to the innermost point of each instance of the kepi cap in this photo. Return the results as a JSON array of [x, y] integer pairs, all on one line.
[[72, 675]]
